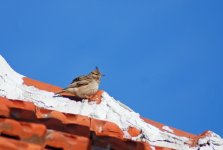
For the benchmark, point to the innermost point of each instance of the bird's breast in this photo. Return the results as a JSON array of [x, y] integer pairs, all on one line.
[[88, 89]]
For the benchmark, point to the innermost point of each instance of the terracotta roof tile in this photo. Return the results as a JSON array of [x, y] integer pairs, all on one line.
[[10, 144], [105, 128], [4, 111], [133, 131], [42, 113], [47, 127], [23, 130], [41, 85], [39, 134], [18, 104], [66, 141], [108, 133]]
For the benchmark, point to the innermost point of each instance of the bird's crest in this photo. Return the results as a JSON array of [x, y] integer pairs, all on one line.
[[96, 72]]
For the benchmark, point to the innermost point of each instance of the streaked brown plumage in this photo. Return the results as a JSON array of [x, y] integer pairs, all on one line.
[[84, 86]]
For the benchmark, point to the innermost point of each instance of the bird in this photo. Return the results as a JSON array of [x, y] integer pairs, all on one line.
[[84, 86]]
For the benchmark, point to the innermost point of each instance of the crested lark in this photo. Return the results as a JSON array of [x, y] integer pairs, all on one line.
[[84, 86]]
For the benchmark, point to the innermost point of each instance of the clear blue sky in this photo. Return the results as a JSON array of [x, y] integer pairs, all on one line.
[[163, 58]]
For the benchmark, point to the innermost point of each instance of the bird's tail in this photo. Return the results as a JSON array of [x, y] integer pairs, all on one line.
[[63, 90]]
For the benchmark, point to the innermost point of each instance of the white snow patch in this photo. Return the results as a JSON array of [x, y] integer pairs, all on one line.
[[167, 129], [12, 87], [9, 73]]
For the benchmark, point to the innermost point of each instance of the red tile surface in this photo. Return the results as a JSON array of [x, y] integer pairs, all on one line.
[[105, 128], [22, 130], [40, 135], [10, 144], [133, 131], [48, 127], [41, 85], [66, 141], [4, 111], [18, 104]]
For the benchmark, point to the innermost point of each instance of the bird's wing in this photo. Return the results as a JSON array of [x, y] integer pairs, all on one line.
[[80, 81], [79, 78]]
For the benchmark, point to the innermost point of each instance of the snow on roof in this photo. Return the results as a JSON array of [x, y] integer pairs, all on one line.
[[167, 129], [12, 87]]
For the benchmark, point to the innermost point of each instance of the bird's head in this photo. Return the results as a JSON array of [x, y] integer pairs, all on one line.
[[96, 74]]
